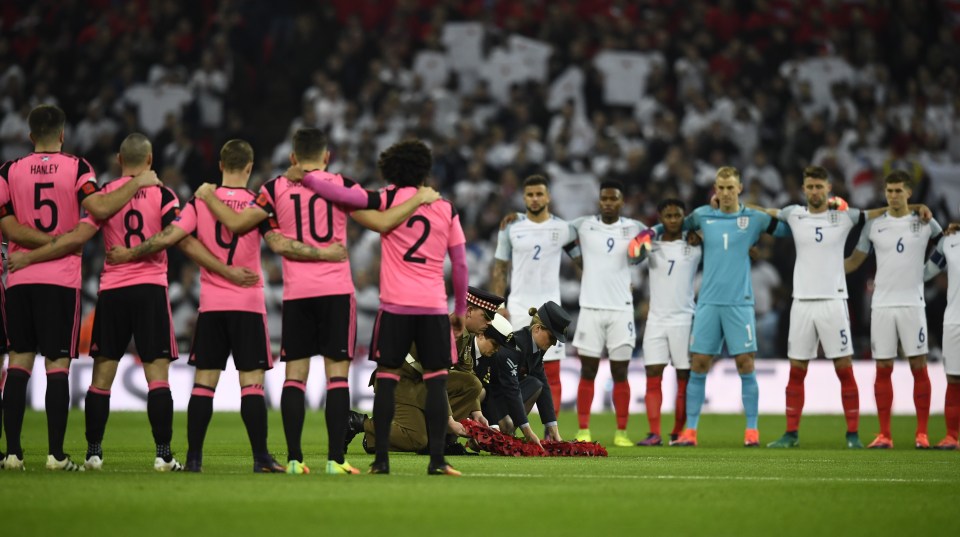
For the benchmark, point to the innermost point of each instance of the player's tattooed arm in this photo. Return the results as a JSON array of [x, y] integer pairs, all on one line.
[[25, 236], [298, 251], [102, 205], [578, 264], [162, 240], [58, 247], [498, 280]]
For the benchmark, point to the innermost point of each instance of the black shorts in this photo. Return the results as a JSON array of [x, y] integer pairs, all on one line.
[[244, 333], [140, 311], [47, 320], [4, 344], [324, 325], [394, 334]]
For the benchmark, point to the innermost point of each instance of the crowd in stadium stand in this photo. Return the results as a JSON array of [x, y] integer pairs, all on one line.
[[655, 94]]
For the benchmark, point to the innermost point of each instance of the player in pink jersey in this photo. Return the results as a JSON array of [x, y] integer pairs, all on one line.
[[319, 308], [47, 189], [25, 236], [133, 300], [232, 318], [413, 298]]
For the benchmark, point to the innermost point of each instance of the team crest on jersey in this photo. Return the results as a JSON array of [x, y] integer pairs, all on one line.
[[915, 227], [555, 236], [625, 232], [834, 218], [743, 222], [687, 250]]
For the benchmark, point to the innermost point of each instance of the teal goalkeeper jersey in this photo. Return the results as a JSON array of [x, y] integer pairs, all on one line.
[[727, 239]]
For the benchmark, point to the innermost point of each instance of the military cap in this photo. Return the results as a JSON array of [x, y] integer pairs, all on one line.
[[499, 329], [555, 320], [484, 300]]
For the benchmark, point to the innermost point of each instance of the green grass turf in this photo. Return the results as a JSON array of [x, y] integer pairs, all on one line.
[[718, 488]]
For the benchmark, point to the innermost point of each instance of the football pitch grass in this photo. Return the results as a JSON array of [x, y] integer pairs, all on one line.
[[719, 488]]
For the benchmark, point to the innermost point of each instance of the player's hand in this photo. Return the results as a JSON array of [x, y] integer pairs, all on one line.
[[694, 239], [715, 201], [951, 229], [427, 195], [205, 191], [507, 220], [925, 213], [242, 276], [17, 261], [335, 253], [294, 173], [553, 433], [754, 254], [478, 417], [118, 255], [147, 178], [457, 323]]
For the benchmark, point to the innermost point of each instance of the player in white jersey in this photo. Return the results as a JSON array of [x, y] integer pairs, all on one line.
[[606, 307], [947, 255], [530, 245], [819, 315], [672, 264], [898, 314]]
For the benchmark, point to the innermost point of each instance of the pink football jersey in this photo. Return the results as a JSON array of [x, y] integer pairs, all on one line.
[[305, 216], [411, 266], [147, 213], [216, 292], [46, 190]]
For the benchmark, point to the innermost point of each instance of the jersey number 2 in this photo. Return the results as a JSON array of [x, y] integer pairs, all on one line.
[[409, 257]]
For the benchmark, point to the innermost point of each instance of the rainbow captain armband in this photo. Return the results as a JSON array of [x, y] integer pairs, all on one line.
[[641, 243], [836, 203]]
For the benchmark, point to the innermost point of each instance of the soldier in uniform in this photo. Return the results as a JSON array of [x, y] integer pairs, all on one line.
[[484, 332], [514, 378]]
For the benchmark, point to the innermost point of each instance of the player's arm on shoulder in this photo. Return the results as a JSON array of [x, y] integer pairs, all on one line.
[[237, 222], [936, 263], [165, 238], [195, 250], [58, 247], [501, 262], [297, 251], [774, 213], [572, 247], [385, 221], [936, 231], [25, 236], [102, 205]]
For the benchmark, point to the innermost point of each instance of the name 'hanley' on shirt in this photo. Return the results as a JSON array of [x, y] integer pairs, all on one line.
[[43, 169]]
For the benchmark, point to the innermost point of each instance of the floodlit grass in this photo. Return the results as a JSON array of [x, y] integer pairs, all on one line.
[[718, 488]]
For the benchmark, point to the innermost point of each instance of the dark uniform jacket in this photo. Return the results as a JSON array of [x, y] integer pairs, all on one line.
[[531, 364]]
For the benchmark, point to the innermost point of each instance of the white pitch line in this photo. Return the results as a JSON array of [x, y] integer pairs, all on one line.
[[727, 478]]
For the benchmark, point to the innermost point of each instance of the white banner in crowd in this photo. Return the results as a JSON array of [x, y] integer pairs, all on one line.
[[722, 396]]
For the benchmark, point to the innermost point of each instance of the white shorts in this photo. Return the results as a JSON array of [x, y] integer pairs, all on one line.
[[904, 324], [824, 322], [519, 318], [667, 344], [610, 329], [951, 349]]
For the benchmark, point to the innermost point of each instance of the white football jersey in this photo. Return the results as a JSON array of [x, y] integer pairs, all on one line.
[[673, 266], [534, 250], [948, 255], [606, 274], [820, 239], [901, 248]]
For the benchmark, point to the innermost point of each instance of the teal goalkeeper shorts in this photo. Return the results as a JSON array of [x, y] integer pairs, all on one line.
[[713, 325]]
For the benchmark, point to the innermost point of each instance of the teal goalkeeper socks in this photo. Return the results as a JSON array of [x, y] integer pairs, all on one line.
[[696, 390], [750, 391]]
